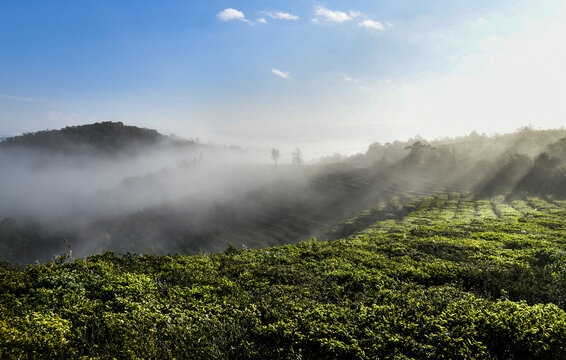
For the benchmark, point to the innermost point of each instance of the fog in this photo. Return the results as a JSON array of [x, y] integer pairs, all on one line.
[[153, 194], [48, 186], [83, 194]]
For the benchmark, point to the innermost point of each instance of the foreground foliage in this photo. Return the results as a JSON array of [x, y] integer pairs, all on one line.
[[456, 278]]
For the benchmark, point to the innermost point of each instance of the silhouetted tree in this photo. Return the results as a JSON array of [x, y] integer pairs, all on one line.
[[275, 155], [417, 152], [297, 156]]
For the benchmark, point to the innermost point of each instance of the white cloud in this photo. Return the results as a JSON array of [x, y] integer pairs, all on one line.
[[354, 14], [334, 16], [280, 73], [348, 78], [371, 24], [232, 14], [282, 15], [18, 98]]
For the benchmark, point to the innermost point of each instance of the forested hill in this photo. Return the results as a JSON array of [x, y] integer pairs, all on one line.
[[103, 137], [527, 160], [474, 147]]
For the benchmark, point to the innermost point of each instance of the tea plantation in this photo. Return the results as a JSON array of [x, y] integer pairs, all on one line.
[[456, 277]]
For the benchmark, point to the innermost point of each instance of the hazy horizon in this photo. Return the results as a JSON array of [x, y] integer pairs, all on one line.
[[326, 77]]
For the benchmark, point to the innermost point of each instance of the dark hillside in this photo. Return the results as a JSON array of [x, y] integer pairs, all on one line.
[[105, 137]]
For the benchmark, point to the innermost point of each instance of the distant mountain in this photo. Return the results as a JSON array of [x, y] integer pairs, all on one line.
[[103, 137], [3, 137]]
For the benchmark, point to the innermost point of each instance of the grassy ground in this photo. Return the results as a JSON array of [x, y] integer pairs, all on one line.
[[454, 277]]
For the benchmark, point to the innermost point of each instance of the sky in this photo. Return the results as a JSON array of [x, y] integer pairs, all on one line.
[[326, 77]]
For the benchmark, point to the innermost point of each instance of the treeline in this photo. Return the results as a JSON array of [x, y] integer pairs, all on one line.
[[527, 141], [108, 137], [527, 160]]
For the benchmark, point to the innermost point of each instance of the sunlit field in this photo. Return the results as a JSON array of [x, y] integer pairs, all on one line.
[[457, 277]]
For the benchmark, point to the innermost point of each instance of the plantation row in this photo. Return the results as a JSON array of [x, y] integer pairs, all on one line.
[[445, 276], [454, 208]]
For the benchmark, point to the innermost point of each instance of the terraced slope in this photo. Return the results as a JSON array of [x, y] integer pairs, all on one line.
[[455, 278]]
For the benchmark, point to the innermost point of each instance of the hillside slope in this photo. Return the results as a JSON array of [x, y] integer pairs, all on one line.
[[187, 198], [104, 137], [456, 278]]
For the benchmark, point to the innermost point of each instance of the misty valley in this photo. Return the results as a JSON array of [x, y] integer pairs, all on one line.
[[108, 186], [120, 242]]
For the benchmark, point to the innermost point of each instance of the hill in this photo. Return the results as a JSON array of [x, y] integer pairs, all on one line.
[[175, 199], [395, 272], [457, 277], [104, 137]]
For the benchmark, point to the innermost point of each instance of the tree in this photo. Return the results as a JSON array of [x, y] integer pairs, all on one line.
[[418, 152], [275, 155], [297, 156]]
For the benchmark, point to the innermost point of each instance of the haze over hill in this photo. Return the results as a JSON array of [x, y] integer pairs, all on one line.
[[111, 186]]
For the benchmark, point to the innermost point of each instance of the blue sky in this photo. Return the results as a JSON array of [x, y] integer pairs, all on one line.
[[324, 76]]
